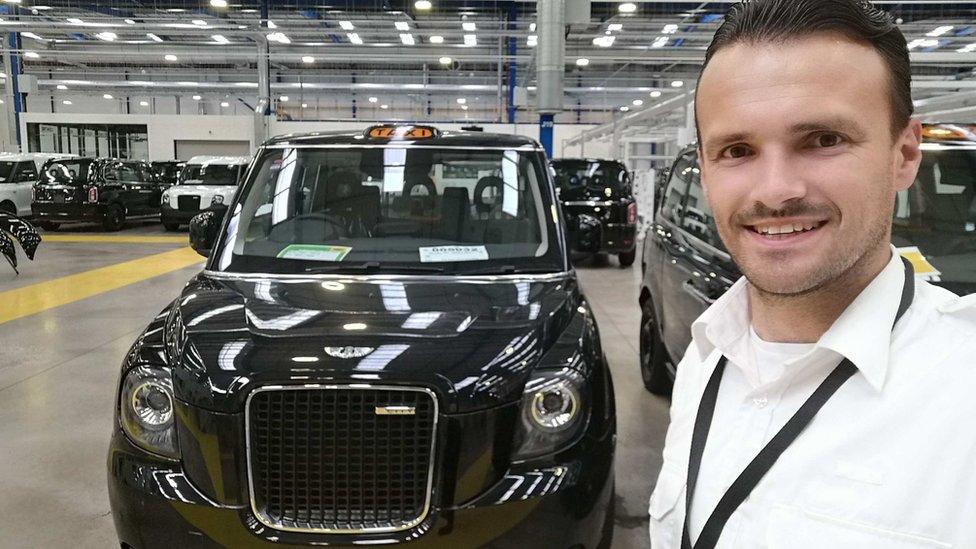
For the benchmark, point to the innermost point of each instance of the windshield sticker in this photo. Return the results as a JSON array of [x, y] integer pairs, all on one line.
[[438, 254], [923, 269], [312, 252]]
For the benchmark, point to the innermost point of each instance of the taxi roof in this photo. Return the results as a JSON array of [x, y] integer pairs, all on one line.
[[460, 139], [218, 160]]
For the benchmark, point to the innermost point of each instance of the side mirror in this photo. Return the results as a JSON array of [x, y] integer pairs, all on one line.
[[204, 228]]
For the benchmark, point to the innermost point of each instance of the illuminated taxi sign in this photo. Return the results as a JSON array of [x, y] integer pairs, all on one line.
[[949, 132], [401, 132]]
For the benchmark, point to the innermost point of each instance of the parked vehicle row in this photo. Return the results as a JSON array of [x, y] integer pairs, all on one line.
[[686, 267], [204, 181]]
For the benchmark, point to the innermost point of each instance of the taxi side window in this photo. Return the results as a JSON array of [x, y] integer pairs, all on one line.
[[676, 190], [26, 171], [697, 218]]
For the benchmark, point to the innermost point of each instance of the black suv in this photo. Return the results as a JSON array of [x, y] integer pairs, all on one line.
[[95, 190], [686, 267], [597, 197], [387, 346]]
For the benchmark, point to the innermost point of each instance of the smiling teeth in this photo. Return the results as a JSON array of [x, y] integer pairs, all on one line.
[[785, 229]]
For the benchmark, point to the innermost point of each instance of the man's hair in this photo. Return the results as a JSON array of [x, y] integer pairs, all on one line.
[[778, 21]]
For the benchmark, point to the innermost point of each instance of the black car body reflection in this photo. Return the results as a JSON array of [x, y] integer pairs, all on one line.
[[686, 267], [346, 403], [597, 197]]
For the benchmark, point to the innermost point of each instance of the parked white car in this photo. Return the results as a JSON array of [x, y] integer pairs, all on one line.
[[203, 182], [18, 174]]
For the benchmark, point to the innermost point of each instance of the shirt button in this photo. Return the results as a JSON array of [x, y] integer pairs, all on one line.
[[760, 402]]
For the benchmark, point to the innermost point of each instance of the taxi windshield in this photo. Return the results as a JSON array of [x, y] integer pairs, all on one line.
[[574, 174], [210, 174], [394, 208]]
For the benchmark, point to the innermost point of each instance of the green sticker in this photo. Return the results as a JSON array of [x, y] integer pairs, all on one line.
[[312, 252]]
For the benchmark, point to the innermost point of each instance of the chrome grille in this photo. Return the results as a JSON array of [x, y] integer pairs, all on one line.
[[332, 459]]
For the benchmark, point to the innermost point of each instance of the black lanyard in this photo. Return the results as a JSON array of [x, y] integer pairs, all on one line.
[[760, 465]]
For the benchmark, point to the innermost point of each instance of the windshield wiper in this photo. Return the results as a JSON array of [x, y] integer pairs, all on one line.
[[506, 270], [370, 267]]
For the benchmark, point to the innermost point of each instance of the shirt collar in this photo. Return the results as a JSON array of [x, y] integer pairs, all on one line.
[[862, 333]]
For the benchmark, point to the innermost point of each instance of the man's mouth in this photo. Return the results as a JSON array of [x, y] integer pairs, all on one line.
[[779, 230]]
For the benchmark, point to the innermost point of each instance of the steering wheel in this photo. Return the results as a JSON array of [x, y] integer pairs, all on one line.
[[479, 190], [339, 226], [424, 183]]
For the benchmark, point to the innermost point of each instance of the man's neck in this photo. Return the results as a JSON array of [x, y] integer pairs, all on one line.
[[805, 318]]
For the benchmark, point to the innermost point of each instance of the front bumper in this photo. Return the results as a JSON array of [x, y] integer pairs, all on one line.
[[168, 214], [559, 503], [68, 213]]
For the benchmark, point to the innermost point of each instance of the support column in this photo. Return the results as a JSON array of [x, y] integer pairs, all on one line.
[[551, 65], [512, 52], [12, 98], [262, 110]]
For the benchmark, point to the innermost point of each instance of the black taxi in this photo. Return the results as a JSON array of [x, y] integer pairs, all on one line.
[[387, 345], [106, 191], [597, 197], [686, 267]]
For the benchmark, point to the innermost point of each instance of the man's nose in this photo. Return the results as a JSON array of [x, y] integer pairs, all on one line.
[[777, 180]]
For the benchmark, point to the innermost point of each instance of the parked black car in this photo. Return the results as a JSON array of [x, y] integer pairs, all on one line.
[[167, 171], [686, 267], [597, 197], [387, 345], [95, 190]]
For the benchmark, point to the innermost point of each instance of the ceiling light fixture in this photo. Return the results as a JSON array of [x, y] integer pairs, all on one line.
[[625, 108], [107, 96], [402, 25], [283, 99], [446, 60], [582, 62], [422, 5], [461, 100], [939, 31], [677, 84], [130, 22], [436, 39], [531, 27], [197, 98], [603, 41], [279, 37], [224, 104], [354, 38], [464, 107], [373, 99], [627, 7], [31, 54], [304, 105], [384, 107], [75, 21], [199, 22], [62, 87], [615, 27], [308, 59], [660, 42], [218, 3], [470, 40], [107, 36], [670, 29], [637, 102], [154, 37], [66, 102], [346, 25], [655, 93], [144, 103], [469, 27], [271, 24], [407, 39], [220, 39], [170, 57]]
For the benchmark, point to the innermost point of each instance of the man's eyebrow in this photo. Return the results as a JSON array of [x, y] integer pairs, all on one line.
[[828, 125]]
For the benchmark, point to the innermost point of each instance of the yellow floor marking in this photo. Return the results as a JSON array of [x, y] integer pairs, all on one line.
[[135, 239], [21, 302]]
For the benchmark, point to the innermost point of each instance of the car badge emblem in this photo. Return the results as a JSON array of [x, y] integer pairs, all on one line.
[[348, 352], [395, 411]]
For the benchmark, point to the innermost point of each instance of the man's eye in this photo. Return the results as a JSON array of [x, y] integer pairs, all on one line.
[[736, 151], [828, 140]]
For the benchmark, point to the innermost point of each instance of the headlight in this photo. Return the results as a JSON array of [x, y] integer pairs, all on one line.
[[217, 199], [554, 411], [165, 199], [146, 410]]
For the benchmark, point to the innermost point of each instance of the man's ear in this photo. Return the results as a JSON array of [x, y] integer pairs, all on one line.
[[908, 155]]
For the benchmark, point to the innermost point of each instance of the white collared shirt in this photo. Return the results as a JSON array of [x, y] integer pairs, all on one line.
[[888, 462]]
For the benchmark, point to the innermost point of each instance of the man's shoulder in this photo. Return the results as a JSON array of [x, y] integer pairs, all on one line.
[[949, 311]]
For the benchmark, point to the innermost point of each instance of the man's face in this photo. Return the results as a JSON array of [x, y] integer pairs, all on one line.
[[798, 160]]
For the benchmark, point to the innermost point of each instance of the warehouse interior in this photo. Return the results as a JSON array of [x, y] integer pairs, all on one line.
[[172, 80]]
